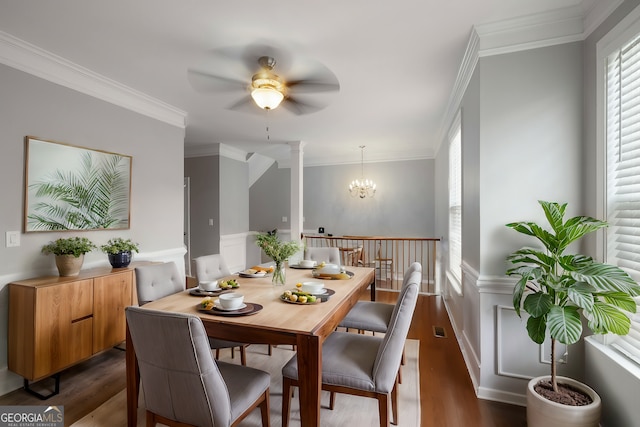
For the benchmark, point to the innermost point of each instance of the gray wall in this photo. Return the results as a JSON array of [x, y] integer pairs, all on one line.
[[522, 142], [32, 106], [402, 207], [234, 196], [530, 142], [203, 173]]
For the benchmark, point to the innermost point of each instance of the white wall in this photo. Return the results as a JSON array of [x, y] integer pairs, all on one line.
[[32, 106]]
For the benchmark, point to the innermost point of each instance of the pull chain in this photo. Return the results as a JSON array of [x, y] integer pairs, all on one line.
[[267, 124]]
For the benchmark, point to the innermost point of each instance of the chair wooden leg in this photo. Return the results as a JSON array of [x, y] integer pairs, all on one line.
[[269, 350], [383, 409], [243, 355], [264, 410], [286, 401], [394, 403], [217, 353], [151, 419], [332, 400], [233, 352]]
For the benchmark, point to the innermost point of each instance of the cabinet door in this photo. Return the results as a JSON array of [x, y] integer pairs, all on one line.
[[111, 294], [63, 326]]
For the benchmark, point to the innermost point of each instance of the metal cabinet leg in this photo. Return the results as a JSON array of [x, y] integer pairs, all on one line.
[[56, 390]]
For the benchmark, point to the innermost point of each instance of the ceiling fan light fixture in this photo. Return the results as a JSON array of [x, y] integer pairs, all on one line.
[[267, 90], [266, 97]]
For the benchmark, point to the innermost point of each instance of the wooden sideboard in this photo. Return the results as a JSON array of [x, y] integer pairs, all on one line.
[[56, 322]]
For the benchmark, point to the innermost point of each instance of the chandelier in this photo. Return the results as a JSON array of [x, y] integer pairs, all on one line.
[[362, 187]]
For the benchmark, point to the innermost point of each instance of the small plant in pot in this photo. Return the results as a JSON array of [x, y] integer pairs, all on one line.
[[69, 253], [119, 251], [556, 290]]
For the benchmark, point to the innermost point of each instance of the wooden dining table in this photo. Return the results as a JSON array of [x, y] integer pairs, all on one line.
[[278, 322]]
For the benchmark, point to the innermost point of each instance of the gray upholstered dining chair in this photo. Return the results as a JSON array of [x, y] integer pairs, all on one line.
[[183, 385], [375, 316], [155, 281], [363, 365], [323, 254], [211, 267]]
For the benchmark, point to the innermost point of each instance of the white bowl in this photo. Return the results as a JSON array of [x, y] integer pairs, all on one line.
[[330, 269], [232, 300], [208, 285], [307, 263], [312, 287]]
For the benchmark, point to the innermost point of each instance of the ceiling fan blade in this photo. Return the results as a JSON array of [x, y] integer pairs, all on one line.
[[312, 86], [204, 81], [246, 105], [300, 107]]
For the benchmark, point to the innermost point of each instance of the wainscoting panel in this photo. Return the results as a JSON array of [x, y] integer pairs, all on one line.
[[233, 248]]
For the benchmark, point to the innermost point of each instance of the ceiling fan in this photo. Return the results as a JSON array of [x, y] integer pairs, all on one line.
[[264, 88]]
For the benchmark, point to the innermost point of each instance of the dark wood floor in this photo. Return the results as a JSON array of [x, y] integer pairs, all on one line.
[[447, 396]]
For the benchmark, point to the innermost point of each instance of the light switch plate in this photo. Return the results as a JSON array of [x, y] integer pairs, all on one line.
[[12, 239]]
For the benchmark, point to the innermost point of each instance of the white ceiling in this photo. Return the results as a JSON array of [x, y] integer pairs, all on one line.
[[397, 62]]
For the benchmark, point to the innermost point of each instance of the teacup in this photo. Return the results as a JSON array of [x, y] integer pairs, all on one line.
[[312, 287], [208, 285], [307, 263], [231, 301]]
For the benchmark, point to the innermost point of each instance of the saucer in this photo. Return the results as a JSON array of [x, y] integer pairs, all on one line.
[[216, 289], [202, 293], [218, 306]]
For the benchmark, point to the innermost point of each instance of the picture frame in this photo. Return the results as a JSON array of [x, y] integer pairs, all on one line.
[[70, 188]]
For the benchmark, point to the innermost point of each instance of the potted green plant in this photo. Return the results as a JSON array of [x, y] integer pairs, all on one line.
[[278, 251], [69, 253], [556, 290], [119, 251]]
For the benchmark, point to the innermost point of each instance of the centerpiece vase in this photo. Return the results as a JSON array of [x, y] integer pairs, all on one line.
[[279, 274]]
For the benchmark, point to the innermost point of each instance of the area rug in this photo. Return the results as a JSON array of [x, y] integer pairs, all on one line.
[[349, 410]]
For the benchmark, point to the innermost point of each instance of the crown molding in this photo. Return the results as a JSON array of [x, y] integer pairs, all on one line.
[[564, 25], [31, 59], [216, 149]]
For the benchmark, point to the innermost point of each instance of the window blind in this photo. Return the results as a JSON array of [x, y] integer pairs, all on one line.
[[455, 206], [623, 175]]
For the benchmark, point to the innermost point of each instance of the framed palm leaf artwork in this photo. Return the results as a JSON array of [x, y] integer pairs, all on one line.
[[75, 188]]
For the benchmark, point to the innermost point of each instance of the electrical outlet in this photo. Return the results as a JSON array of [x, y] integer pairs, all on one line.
[[284, 219], [12, 239]]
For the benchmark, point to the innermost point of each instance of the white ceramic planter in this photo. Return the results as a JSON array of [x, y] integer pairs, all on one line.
[[545, 413]]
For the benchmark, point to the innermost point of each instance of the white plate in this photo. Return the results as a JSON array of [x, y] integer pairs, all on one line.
[[321, 292], [243, 274], [220, 307], [298, 266], [198, 288]]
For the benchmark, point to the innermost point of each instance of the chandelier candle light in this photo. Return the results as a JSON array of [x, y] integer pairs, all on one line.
[[362, 187]]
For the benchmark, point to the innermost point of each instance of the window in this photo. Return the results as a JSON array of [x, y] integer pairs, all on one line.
[[622, 189], [455, 205]]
